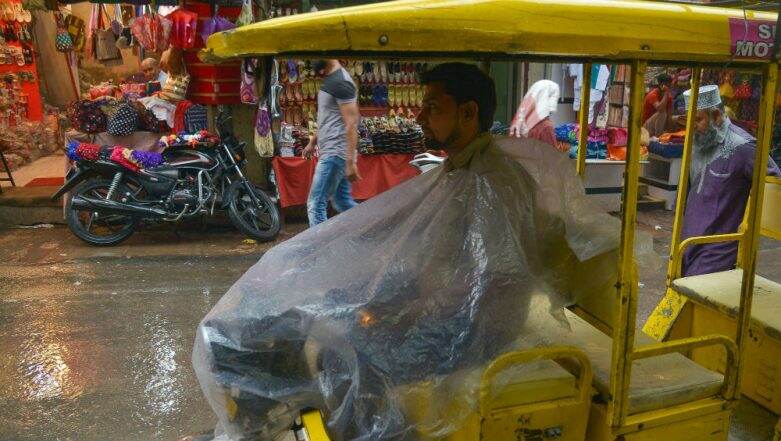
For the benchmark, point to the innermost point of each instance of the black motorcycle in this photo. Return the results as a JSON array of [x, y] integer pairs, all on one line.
[[107, 200]]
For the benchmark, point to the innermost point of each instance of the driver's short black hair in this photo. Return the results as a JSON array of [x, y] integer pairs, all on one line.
[[465, 82]]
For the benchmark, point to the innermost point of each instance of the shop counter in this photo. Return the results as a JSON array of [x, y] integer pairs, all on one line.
[[379, 173]]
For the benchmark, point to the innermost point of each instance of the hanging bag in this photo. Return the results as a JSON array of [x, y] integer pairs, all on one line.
[[106, 49], [63, 41], [75, 28], [249, 91], [246, 16]]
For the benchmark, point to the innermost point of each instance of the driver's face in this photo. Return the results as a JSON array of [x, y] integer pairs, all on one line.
[[438, 117]]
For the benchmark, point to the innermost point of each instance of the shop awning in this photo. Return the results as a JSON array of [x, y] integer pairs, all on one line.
[[602, 29]]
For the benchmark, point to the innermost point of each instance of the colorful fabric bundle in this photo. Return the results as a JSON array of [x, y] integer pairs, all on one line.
[[70, 151], [191, 140], [80, 151], [124, 121], [599, 135], [146, 118], [617, 136], [567, 133], [88, 152], [147, 159], [118, 156], [133, 91], [86, 116], [673, 138]]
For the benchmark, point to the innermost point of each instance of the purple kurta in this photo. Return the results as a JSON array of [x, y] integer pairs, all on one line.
[[718, 208]]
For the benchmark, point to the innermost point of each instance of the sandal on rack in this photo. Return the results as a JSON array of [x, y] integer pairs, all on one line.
[[299, 96], [292, 71]]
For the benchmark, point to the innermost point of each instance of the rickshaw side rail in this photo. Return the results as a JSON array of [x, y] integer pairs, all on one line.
[[542, 353], [700, 240]]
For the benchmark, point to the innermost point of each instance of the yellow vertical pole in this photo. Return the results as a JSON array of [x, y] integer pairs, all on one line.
[[585, 107], [683, 180], [751, 240], [624, 330]]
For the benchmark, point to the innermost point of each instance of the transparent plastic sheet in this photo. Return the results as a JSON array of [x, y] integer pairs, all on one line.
[[385, 316]]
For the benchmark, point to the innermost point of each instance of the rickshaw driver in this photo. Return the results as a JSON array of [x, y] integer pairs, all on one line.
[[458, 111]]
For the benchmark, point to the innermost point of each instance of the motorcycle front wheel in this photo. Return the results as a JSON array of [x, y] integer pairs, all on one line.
[[99, 229], [259, 221]]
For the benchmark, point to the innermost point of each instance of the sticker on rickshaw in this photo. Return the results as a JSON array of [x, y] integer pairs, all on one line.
[[752, 38]]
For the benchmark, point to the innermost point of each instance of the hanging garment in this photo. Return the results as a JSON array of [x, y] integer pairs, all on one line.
[[215, 24], [152, 31], [183, 27]]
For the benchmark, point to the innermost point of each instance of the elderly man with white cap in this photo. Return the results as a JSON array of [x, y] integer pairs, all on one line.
[[720, 177]]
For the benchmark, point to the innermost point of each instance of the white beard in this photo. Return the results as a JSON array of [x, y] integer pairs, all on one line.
[[717, 142]]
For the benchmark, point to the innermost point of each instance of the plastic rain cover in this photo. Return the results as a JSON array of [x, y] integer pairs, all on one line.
[[410, 294]]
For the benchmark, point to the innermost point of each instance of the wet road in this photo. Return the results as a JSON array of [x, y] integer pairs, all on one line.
[[96, 343]]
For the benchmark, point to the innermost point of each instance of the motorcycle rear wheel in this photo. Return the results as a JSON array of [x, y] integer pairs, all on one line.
[[258, 222], [99, 229]]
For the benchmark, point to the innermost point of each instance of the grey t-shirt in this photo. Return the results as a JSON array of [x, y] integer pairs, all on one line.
[[337, 89]]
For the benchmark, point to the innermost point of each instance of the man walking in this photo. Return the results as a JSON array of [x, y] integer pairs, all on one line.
[[337, 139], [720, 178]]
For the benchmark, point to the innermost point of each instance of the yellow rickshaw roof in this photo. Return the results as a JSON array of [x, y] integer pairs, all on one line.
[[600, 29]]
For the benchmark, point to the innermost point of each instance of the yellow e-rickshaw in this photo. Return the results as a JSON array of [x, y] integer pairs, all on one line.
[[623, 384]]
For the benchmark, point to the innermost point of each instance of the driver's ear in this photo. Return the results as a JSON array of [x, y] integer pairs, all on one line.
[[469, 111]]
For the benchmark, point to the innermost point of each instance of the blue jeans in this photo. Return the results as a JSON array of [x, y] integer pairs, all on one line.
[[329, 182]]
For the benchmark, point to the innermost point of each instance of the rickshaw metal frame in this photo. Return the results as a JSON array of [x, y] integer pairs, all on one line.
[[624, 352]]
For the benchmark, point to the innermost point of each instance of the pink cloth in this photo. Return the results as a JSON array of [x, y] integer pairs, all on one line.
[[544, 132]]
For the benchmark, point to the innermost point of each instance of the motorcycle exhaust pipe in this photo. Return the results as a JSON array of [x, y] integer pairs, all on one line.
[[113, 207]]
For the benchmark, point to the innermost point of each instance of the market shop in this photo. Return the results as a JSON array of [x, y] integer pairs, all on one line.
[[78, 75]]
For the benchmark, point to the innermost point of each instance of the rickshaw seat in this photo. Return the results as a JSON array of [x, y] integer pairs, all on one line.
[[657, 382], [721, 291]]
